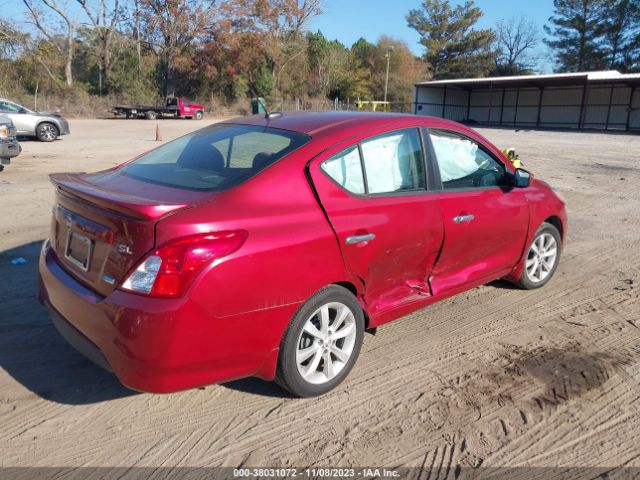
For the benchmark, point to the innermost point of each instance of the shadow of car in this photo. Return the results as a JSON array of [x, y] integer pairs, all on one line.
[[32, 352]]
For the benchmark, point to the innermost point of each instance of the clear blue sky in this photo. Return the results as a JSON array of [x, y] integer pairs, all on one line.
[[348, 20]]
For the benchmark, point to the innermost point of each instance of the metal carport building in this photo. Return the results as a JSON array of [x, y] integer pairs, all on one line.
[[606, 100]]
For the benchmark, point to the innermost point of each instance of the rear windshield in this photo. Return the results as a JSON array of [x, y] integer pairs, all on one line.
[[215, 158]]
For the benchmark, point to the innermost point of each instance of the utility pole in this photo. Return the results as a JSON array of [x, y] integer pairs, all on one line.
[[386, 81]]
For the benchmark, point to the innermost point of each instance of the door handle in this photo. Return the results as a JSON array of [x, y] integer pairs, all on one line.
[[352, 240], [463, 218]]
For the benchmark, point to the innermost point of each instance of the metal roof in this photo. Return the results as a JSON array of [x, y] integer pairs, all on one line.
[[556, 79]]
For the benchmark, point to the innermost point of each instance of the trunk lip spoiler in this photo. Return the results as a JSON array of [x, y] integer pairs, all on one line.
[[138, 208]]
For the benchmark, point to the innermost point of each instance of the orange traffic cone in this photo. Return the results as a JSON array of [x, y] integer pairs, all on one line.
[[158, 134]]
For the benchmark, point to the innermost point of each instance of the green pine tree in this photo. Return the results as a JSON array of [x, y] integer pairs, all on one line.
[[576, 30], [453, 48]]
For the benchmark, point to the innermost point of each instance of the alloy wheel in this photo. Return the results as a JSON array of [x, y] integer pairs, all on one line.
[[326, 343], [542, 257], [48, 132]]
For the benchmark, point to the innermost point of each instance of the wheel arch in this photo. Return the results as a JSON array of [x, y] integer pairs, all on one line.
[[556, 222], [46, 120], [267, 370], [354, 290]]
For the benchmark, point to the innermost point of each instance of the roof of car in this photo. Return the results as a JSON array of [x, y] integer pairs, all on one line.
[[311, 123], [340, 125]]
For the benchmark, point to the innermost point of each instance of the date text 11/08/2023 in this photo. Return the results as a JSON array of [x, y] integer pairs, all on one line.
[[364, 473]]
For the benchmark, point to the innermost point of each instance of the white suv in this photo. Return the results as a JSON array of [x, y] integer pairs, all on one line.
[[46, 126]]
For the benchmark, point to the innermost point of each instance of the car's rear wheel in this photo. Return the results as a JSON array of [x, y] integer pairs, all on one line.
[[47, 132], [542, 258], [198, 115], [151, 115], [321, 344]]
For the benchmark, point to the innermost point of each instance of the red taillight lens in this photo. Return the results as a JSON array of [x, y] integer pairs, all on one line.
[[170, 269]]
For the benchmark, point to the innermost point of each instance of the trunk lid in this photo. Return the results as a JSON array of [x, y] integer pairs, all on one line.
[[100, 229]]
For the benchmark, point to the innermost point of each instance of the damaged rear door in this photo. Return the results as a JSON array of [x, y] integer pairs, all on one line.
[[388, 225]]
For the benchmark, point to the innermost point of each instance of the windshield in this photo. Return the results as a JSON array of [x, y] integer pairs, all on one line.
[[215, 158]]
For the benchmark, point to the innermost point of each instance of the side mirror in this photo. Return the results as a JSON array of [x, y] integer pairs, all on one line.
[[522, 178]]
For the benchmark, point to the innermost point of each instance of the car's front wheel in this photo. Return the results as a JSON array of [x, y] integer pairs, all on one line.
[[47, 132], [322, 343], [198, 115], [542, 257]]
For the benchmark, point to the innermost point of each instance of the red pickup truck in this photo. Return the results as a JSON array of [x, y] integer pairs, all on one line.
[[173, 107]]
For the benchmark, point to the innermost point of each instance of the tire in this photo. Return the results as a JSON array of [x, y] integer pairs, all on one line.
[[150, 115], [542, 258], [47, 132], [342, 351], [199, 115]]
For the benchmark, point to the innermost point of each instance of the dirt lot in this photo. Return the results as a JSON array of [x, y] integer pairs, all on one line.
[[495, 376]]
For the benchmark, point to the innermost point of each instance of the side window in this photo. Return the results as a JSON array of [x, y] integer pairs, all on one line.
[[463, 163], [394, 162], [346, 170], [9, 107]]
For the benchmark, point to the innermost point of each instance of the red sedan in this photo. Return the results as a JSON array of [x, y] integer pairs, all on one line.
[[268, 246]]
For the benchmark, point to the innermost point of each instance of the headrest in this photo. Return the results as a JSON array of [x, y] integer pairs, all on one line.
[[261, 160], [204, 157]]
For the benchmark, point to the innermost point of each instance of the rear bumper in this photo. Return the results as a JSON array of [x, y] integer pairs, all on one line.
[[9, 148], [159, 345], [78, 341]]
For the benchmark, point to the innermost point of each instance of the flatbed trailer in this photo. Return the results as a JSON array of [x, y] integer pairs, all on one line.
[[175, 107]]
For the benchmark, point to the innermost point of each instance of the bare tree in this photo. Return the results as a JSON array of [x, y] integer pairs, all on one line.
[[172, 25], [60, 39], [11, 39], [515, 41], [136, 20], [104, 18], [278, 24], [286, 22]]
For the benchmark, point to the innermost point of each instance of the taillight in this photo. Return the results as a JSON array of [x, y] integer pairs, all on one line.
[[170, 269]]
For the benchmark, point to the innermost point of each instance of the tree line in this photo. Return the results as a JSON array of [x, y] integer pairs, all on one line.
[[141, 50], [582, 35]]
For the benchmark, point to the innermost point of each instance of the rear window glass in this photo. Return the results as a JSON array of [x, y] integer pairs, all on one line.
[[215, 158], [345, 168]]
